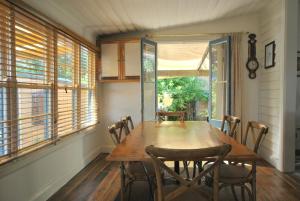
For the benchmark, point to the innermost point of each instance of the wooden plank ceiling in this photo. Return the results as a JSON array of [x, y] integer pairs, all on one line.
[[90, 18]]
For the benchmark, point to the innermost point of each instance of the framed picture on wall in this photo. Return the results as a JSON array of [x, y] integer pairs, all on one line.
[[270, 55]]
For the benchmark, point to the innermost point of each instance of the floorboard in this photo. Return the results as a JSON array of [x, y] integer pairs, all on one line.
[[100, 181]]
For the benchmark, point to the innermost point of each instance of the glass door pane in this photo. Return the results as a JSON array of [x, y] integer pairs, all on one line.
[[220, 79], [148, 79]]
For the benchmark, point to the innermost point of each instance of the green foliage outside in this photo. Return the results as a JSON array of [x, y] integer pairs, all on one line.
[[183, 91]]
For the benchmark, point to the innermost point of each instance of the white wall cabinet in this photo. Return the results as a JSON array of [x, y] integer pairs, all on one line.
[[109, 60], [120, 61], [132, 53]]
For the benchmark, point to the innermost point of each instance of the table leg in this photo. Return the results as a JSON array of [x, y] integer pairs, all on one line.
[[122, 174], [253, 184], [176, 167]]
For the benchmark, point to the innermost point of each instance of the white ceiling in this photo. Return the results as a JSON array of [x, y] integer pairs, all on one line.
[[89, 18]]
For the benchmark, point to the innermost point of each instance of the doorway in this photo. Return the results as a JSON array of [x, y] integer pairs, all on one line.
[[183, 78], [191, 76]]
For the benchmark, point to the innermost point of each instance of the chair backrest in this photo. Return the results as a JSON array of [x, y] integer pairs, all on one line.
[[162, 114], [117, 131], [128, 120], [257, 129], [230, 124], [159, 155]]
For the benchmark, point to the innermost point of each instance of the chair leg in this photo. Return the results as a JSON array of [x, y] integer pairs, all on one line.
[[129, 193], [150, 189], [163, 181], [243, 193], [234, 193], [250, 194], [186, 168], [123, 185], [148, 180], [194, 168], [200, 167]]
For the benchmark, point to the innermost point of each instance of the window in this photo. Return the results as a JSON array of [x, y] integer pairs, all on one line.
[[87, 87], [33, 78], [67, 81], [5, 71], [47, 84], [39, 102]]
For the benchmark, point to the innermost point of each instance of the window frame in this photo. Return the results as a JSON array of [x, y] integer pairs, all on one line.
[[11, 86]]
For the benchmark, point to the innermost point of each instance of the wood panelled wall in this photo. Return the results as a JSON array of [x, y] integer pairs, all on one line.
[[270, 28]]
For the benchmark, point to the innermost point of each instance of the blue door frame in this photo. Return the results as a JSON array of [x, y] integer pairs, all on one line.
[[225, 40], [144, 42]]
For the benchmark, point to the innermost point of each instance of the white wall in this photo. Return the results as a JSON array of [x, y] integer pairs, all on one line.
[[270, 28], [118, 100], [277, 85], [40, 174]]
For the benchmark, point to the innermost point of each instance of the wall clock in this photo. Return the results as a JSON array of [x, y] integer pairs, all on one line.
[[252, 63]]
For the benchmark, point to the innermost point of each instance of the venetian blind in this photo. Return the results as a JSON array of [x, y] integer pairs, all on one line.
[[5, 77], [87, 88], [47, 84], [67, 81], [34, 76]]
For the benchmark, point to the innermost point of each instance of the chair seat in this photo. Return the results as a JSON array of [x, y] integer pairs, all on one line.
[[231, 171], [195, 193]]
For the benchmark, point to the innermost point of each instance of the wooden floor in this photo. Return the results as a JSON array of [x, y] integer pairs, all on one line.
[[100, 181]]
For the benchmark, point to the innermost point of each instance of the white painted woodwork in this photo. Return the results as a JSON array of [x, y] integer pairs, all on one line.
[[109, 60], [289, 84], [298, 91], [270, 28], [89, 18], [132, 61], [298, 115]]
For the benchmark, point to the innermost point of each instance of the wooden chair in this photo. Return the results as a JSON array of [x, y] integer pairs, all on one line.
[[128, 123], [180, 115], [117, 131], [229, 125], [238, 174], [162, 114], [133, 171], [187, 190]]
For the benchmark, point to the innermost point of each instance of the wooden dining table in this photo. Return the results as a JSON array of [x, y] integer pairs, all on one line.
[[180, 135]]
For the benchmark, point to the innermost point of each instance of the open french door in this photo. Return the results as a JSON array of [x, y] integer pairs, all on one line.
[[148, 79], [219, 80]]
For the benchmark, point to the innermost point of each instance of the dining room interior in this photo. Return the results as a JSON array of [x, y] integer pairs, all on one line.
[[117, 100]]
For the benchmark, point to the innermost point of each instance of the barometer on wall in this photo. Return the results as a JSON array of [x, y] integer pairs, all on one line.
[[252, 63]]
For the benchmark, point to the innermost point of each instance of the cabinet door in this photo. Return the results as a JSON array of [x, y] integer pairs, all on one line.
[[132, 59], [109, 60]]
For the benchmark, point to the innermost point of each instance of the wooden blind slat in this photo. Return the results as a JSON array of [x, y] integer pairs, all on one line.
[[47, 84]]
